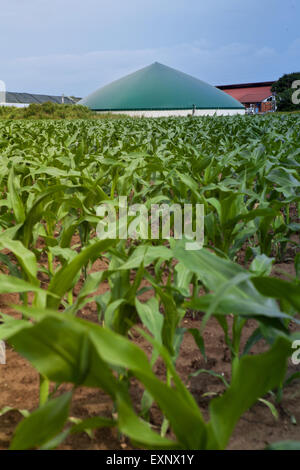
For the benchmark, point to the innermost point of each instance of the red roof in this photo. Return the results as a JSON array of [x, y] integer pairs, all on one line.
[[250, 94], [257, 97]]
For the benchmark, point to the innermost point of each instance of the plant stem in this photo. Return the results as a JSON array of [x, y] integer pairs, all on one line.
[[44, 389], [70, 297]]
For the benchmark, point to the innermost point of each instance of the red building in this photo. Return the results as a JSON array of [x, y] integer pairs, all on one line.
[[252, 95]]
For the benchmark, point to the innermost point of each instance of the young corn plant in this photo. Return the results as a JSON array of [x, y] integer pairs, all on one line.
[[68, 349]]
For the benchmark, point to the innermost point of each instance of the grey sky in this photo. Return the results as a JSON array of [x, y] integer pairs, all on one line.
[[75, 46]]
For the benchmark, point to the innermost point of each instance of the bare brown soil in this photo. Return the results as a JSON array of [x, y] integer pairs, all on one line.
[[256, 429]]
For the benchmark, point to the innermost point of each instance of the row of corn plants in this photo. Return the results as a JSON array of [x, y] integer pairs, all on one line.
[[54, 175]]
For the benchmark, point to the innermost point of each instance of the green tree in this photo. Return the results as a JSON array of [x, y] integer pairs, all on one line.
[[284, 92]]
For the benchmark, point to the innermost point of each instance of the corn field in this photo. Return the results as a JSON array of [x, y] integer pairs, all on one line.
[[53, 176]]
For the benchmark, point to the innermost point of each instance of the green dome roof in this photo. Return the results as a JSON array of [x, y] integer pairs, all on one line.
[[158, 87]]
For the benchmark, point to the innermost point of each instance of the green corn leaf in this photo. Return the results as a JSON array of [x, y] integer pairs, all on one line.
[[146, 255], [91, 284], [25, 257], [43, 424], [15, 199], [55, 347], [92, 423], [11, 326], [7, 409], [236, 293], [212, 373], [139, 431], [198, 340], [151, 317], [10, 284], [62, 352], [62, 281], [255, 376], [262, 265], [270, 406], [35, 212], [278, 289], [13, 269], [109, 314]]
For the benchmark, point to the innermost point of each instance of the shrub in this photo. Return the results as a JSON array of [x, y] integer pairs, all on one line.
[[283, 89]]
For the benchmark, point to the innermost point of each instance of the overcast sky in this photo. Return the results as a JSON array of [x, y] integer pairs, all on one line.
[[75, 46]]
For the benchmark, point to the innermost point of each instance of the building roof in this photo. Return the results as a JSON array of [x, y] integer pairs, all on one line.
[[28, 98], [246, 85], [256, 97], [249, 92], [158, 87], [250, 95]]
